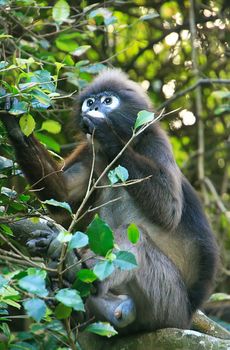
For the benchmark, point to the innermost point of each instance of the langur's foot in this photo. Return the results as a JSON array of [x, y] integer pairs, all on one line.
[[124, 313]]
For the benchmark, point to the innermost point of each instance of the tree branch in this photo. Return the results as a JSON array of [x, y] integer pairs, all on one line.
[[199, 82]]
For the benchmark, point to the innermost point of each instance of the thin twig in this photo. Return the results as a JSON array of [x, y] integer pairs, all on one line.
[[125, 184], [199, 82], [69, 334], [89, 210], [107, 168], [79, 262], [198, 100], [24, 257], [217, 198], [18, 261]]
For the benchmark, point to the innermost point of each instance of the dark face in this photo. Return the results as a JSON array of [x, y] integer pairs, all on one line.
[[100, 105], [119, 111]]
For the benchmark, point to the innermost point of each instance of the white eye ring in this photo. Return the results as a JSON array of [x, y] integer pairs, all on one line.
[[110, 101], [87, 103]]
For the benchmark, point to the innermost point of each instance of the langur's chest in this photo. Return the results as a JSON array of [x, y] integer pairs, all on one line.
[[118, 207]]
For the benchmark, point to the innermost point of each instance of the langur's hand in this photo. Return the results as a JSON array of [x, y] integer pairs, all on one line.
[[10, 121], [104, 134], [92, 124]]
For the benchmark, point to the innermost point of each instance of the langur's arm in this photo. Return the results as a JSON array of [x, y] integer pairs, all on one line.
[[47, 177], [42, 172], [160, 196]]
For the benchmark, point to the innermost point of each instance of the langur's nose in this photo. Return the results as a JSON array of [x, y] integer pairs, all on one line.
[[94, 109]]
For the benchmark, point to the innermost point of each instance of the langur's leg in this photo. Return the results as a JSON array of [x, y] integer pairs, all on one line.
[[155, 289], [119, 310]]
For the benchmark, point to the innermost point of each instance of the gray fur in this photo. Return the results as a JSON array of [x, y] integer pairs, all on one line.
[[176, 253]]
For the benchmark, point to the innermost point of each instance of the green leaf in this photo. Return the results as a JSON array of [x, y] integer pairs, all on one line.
[[51, 126], [81, 50], [103, 269], [122, 173], [26, 86], [113, 177], [118, 174], [8, 192], [66, 42], [61, 11], [6, 229], [64, 236], [3, 64], [125, 260], [40, 99], [100, 235], [224, 108], [24, 197], [133, 233], [143, 117], [5, 163], [55, 203], [81, 63], [18, 107], [78, 240], [83, 288], [3, 281], [221, 94], [44, 78], [101, 328], [48, 141], [70, 298], [59, 65], [5, 36], [35, 308], [62, 311], [86, 276], [25, 62], [27, 124], [219, 297], [149, 16], [34, 284], [6, 330]]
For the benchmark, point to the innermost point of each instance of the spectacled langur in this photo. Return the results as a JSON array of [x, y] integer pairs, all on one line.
[[176, 253]]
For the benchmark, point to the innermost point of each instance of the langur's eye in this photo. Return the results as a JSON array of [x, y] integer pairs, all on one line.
[[110, 101], [87, 103]]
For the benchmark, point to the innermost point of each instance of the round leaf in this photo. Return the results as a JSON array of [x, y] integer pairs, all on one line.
[[71, 298], [122, 173], [133, 233], [103, 269], [101, 328], [143, 117], [78, 240], [100, 235], [62, 311], [61, 11], [33, 284], [27, 124], [51, 126], [55, 203], [64, 236], [86, 276], [35, 308], [125, 260]]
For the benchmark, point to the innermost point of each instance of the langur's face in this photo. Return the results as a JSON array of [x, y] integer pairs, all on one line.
[[118, 108], [100, 105]]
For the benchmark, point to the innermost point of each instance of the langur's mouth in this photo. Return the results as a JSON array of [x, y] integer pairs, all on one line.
[[95, 114]]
